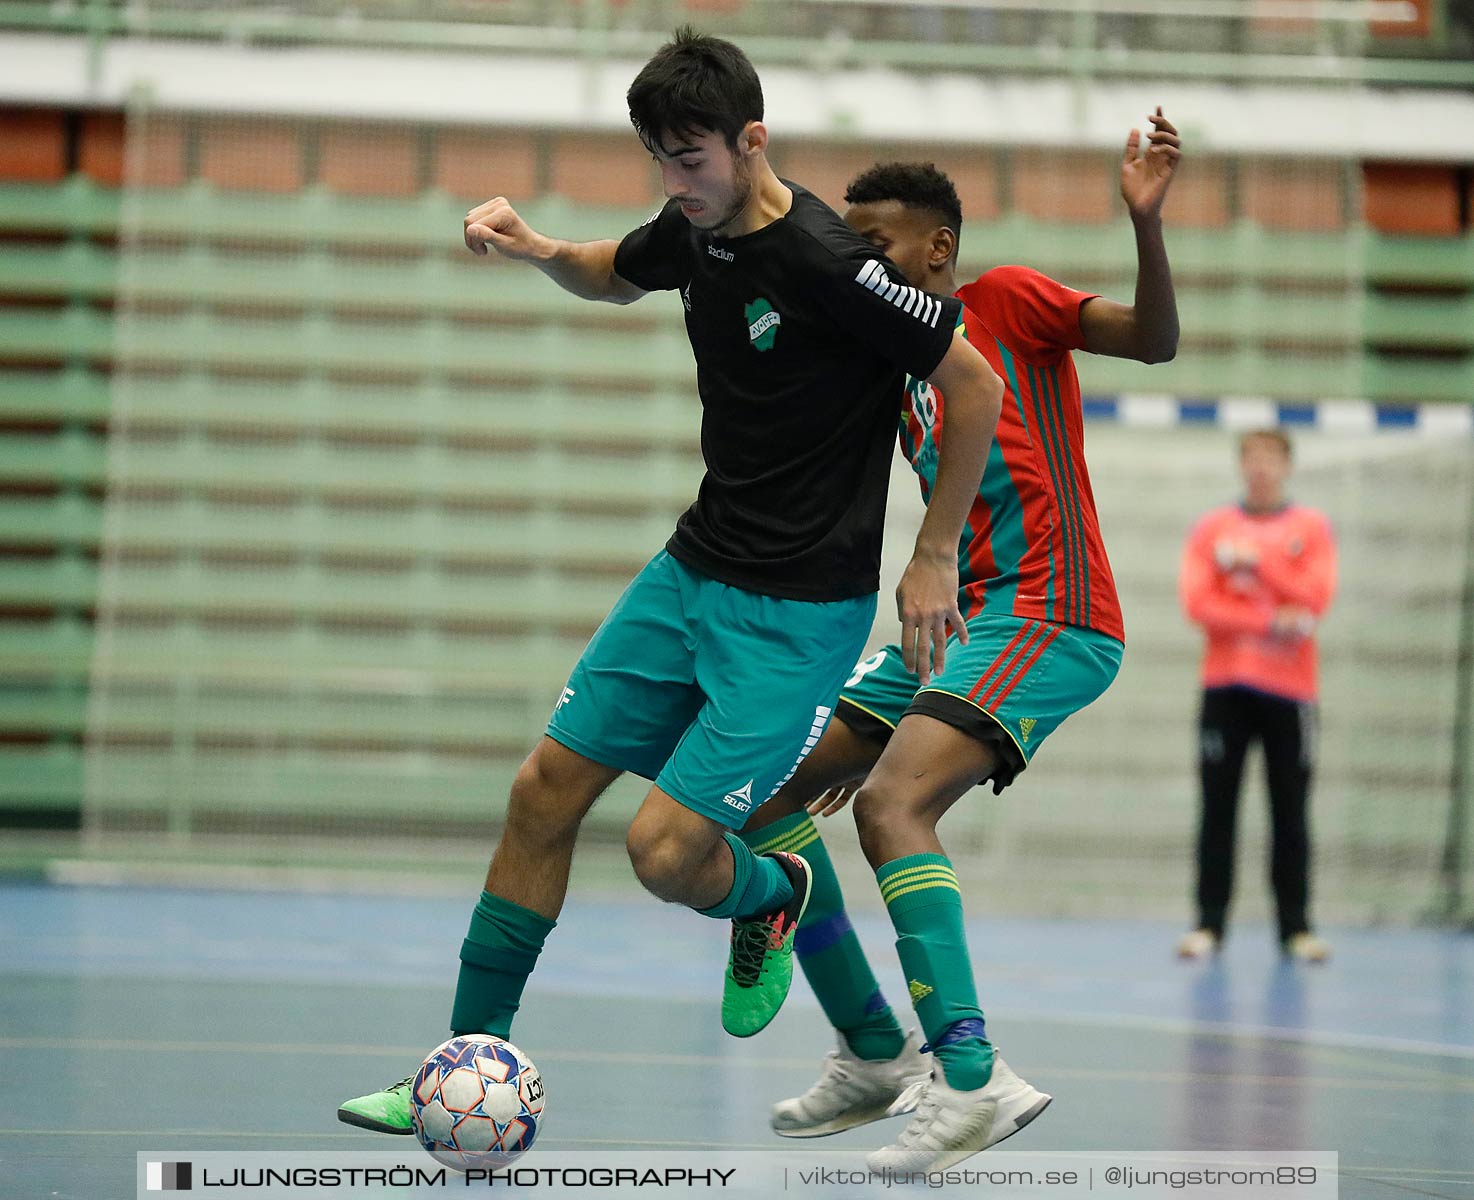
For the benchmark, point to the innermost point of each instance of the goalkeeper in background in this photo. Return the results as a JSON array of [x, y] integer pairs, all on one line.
[[1257, 577]]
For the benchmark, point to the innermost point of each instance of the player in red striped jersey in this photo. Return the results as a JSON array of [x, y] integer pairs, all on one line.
[[1043, 639]]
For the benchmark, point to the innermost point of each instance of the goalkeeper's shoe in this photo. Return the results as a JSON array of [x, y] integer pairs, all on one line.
[[760, 962], [1198, 943], [383, 1112], [1307, 947], [851, 1091]]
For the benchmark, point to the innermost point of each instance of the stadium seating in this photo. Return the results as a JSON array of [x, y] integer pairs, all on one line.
[[374, 498]]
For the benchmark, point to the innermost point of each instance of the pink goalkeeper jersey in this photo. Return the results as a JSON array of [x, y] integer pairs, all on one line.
[[1238, 568]]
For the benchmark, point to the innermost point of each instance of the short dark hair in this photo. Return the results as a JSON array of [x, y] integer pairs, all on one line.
[[1278, 436], [694, 82], [914, 184]]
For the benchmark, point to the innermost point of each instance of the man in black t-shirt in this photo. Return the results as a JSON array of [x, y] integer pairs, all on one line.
[[717, 670]]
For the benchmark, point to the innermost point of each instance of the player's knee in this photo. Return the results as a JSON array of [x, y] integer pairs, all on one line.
[[661, 858], [543, 806], [873, 816], [884, 809]]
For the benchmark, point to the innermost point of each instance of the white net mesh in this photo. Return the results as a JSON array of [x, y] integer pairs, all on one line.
[[1104, 820]]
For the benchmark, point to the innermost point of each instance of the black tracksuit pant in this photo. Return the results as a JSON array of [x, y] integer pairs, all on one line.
[[1231, 719]]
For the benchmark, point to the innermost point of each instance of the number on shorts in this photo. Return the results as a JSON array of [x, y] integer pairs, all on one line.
[[864, 667]]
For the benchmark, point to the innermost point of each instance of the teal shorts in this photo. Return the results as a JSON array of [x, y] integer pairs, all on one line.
[[715, 693], [1011, 686]]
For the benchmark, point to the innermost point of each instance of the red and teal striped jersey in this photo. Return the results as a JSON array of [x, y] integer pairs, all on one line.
[[1032, 544]]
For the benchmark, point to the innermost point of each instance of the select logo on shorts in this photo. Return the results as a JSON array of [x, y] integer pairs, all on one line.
[[169, 1176], [762, 324], [741, 799]]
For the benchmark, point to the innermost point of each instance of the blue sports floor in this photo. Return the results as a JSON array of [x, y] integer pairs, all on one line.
[[134, 1019]]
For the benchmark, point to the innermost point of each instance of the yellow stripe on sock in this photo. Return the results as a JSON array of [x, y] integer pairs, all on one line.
[[937, 880], [927, 877], [909, 873], [793, 845], [904, 872], [921, 887], [794, 839], [798, 833]]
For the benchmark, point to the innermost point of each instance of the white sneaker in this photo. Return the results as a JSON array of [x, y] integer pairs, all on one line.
[[950, 1126], [852, 1091], [1307, 947], [1198, 943]]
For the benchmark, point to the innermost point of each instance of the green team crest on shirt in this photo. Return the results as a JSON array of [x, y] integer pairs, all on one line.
[[762, 324]]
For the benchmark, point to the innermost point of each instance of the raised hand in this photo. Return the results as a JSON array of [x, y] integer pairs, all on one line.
[[496, 225], [1145, 177]]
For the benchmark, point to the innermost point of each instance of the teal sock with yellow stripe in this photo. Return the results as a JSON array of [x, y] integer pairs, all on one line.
[[827, 948], [925, 904]]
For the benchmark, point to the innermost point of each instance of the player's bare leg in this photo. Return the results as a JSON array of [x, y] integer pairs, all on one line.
[[678, 854], [552, 793], [926, 768], [973, 1099], [525, 886]]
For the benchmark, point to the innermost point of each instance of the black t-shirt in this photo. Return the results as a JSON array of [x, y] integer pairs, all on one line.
[[802, 332]]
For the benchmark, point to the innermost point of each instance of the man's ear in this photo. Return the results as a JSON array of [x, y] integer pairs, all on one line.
[[943, 247], [753, 139]]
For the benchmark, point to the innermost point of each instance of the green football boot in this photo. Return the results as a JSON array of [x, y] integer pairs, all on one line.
[[383, 1112], [760, 962]]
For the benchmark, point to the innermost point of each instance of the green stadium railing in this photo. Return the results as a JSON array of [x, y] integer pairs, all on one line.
[[431, 410], [311, 468], [309, 591], [354, 508], [69, 519], [433, 348], [1245, 310], [200, 212], [1231, 297]]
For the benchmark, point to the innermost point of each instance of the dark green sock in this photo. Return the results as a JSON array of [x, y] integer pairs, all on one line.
[[925, 904], [827, 948], [497, 956], [759, 885]]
